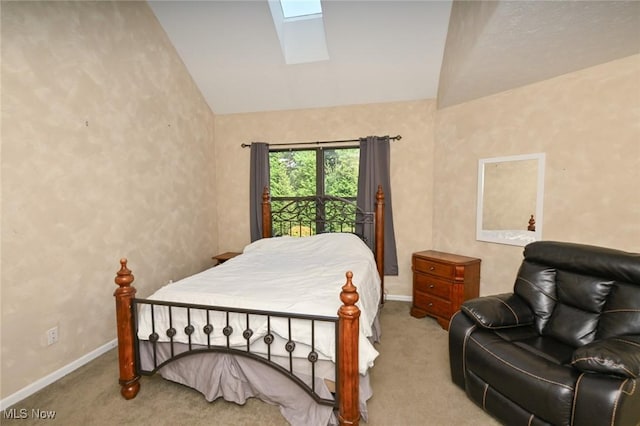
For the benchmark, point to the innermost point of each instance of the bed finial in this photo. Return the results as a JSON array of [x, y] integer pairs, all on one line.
[[124, 278], [349, 295], [348, 335], [124, 294]]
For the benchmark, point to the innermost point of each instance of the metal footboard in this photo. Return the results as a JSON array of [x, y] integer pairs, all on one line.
[[179, 336]]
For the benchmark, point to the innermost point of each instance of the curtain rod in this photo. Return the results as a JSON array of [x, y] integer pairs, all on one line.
[[394, 138]]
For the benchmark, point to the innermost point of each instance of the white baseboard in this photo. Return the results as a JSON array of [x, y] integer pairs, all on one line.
[[56, 375], [399, 298]]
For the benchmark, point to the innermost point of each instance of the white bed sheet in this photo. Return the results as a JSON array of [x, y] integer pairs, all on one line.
[[285, 274]]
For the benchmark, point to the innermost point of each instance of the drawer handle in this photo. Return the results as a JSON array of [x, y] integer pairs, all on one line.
[[431, 286], [430, 304], [432, 268]]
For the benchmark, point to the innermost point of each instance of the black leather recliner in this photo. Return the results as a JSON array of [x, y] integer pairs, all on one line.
[[563, 348]]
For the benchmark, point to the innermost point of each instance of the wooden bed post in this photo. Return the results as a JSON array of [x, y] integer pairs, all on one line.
[[266, 213], [379, 236], [124, 294], [348, 336]]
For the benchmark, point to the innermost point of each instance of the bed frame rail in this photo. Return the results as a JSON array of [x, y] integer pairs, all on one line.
[[227, 333], [347, 334], [304, 216]]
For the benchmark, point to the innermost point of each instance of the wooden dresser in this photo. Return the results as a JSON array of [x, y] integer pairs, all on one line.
[[441, 282]]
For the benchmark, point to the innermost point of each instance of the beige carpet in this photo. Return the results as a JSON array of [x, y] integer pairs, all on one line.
[[410, 380]]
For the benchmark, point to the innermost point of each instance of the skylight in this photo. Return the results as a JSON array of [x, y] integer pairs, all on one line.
[[300, 28], [298, 8]]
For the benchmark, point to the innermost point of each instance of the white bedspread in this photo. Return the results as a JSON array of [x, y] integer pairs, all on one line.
[[286, 274]]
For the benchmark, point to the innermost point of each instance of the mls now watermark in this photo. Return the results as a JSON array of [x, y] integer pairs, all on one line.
[[23, 413]]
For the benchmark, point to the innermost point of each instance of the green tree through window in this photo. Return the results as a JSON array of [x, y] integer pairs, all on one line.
[[304, 174]]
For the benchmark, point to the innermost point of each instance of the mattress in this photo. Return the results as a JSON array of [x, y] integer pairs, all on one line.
[[284, 274]]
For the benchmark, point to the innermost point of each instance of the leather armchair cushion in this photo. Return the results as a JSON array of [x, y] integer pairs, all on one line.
[[582, 291], [499, 311], [619, 356], [536, 285], [580, 301], [621, 314], [548, 348], [571, 325]]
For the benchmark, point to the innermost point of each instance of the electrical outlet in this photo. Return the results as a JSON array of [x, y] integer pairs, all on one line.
[[52, 335]]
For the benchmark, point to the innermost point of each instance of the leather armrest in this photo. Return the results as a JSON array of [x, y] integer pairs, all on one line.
[[499, 311], [619, 356]]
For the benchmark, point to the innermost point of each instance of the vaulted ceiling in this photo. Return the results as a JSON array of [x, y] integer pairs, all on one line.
[[382, 51]]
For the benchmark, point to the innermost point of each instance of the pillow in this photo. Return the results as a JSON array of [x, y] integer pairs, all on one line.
[[619, 356]]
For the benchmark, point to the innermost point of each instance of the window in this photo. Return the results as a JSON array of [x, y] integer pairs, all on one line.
[[299, 25], [310, 177], [297, 8]]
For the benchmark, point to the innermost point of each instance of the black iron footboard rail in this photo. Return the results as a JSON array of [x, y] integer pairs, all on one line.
[[177, 332]]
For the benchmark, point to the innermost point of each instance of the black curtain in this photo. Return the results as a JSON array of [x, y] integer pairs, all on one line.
[[373, 171], [259, 178]]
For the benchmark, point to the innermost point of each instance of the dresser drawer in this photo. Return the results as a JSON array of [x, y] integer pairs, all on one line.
[[434, 268], [432, 285], [432, 305]]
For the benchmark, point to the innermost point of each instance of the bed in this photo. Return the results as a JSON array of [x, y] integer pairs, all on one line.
[[282, 322]]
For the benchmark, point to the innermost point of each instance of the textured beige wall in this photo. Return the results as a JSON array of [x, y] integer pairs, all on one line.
[[107, 151], [105, 139], [587, 122], [411, 166]]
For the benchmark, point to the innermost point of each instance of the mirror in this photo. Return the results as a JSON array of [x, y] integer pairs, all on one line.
[[510, 193]]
